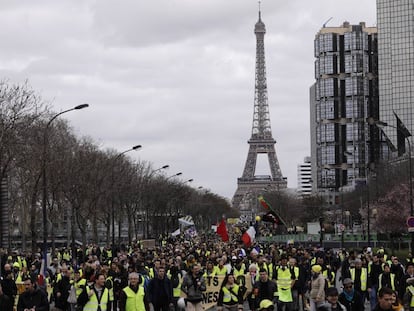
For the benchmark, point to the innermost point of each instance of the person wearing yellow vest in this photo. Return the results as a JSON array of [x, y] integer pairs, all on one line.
[[230, 296], [387, 279], [359, 275], [96, 297], [221, 269], [296, 288], [61, 289], [239, 269], [176, 277], [408, 298], [285, 280], [133, 297], [210, 270], [79, 283]]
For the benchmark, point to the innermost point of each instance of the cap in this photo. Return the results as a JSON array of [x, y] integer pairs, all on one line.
[[347, 281], [369, 249], [234, 258], [266, 303], [316, 268]]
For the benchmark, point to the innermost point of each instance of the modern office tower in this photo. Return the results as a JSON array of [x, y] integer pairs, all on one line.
[[343, 97], [305, 177], [261, 141], [396, 70]]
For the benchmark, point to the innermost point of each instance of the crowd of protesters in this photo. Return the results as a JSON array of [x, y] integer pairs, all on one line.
[[137, 278]]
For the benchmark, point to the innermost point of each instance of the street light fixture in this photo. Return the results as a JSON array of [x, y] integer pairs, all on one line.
[[175, 175], [44, 178], [188, 181], [136, 147]]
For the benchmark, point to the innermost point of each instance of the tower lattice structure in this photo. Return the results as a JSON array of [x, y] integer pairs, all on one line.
[[261, 141]]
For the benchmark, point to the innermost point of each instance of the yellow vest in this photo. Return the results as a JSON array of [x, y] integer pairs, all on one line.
[[93, 303], [236, 272], [66, 256], [212, 273], [230, 297], [270, 271], [135, 301], [222, 271], [283, 285], [410, 288], [177, 290], [364, 275], [110, 287], [79, 286], [392, 278]]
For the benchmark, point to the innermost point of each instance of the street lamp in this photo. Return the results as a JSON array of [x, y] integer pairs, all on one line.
[[385, 124], [136, 147], [44, 178], [188, 181], [175, 175]]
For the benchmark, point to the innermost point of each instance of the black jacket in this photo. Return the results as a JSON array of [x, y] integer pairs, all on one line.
[[155, 288], [356, 304], [9, 287], [5, 303], [37, 298], [62, 287]]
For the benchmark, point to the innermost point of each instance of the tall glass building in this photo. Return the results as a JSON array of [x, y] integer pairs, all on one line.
[[396, 69], [344, 95]]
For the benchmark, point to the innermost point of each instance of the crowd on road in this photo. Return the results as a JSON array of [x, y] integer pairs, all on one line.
[[204, 272]]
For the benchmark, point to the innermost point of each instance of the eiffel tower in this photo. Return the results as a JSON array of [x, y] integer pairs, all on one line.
[[261, 141]]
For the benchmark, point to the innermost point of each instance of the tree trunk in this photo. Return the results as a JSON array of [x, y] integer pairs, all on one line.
[[94, 230], [33, 232], [108, 229]]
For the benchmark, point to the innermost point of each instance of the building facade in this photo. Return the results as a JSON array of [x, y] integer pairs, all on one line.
[[305, 177], [396, 70], [344, 96]]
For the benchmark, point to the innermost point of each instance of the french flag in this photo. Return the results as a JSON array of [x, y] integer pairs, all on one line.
[[249, 236]]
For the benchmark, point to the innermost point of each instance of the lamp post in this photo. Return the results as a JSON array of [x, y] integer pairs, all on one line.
[[112, 201], [385, 124], [175, 175], [188, 181], [44, 178]]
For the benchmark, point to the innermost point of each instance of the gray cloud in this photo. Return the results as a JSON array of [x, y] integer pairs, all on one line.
[[176, 76]]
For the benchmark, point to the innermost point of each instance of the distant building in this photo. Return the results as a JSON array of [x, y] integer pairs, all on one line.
[[344, 96], [305, 177], [396, 70]]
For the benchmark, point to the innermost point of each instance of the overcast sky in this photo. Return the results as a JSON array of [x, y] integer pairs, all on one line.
[[176, 76]]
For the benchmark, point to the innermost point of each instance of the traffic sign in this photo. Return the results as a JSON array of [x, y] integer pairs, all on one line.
[[341, 227], [410, 222]]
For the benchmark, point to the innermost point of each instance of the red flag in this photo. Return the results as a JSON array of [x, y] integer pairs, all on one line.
[[222, 231], [263, 202]]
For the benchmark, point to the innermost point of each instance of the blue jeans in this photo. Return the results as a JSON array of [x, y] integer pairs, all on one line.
[[373, 296]]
